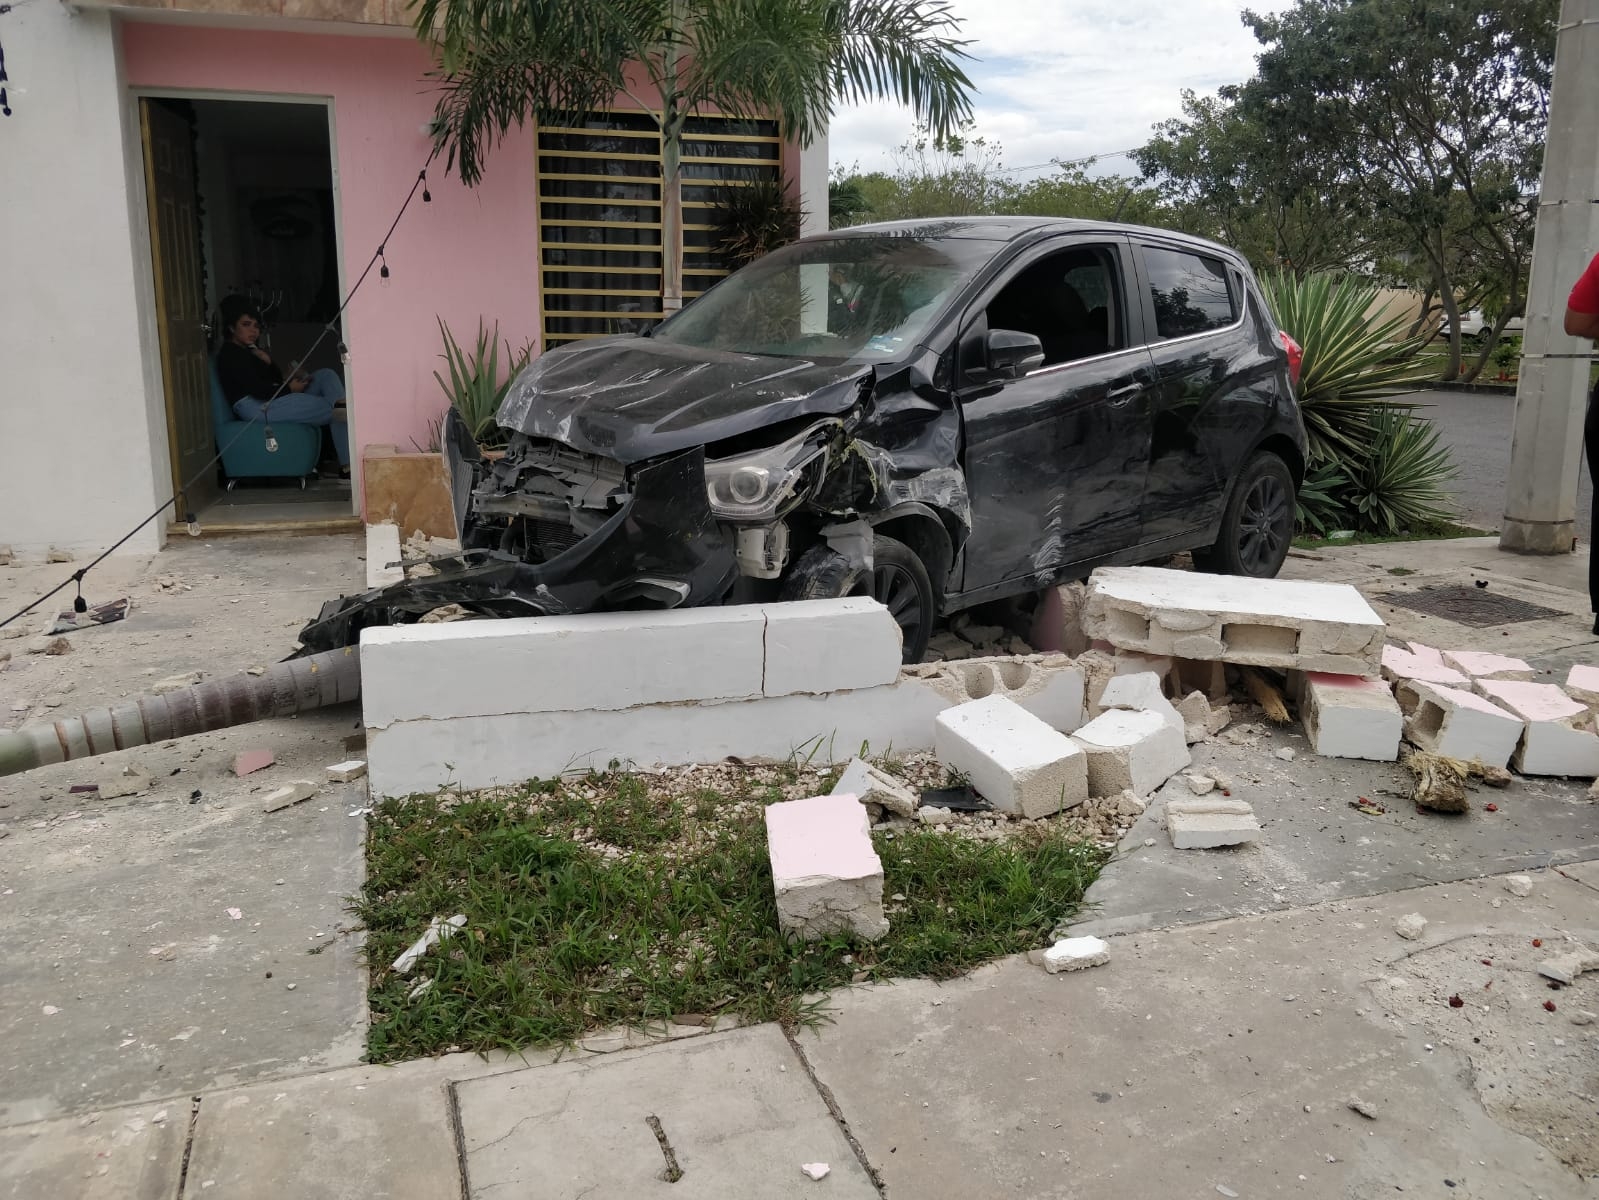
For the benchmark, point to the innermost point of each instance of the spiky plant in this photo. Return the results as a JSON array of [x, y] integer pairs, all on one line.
[[476, 384], [754, 217], [1398, 485]]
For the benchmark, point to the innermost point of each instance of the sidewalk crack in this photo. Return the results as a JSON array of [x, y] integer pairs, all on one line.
[[837, 1113]]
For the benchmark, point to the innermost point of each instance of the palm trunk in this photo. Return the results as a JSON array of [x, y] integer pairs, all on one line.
[[671, 214]]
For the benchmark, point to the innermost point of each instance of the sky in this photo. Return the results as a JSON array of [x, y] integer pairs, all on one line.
[[1071, 78]]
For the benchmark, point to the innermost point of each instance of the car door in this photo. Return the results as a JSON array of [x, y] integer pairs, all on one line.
[[1215, 384], [1055, 458]]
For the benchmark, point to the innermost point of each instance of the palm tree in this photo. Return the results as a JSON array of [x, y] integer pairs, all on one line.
[[504, 63]]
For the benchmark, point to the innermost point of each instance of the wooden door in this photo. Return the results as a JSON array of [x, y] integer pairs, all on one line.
[[180, 302]]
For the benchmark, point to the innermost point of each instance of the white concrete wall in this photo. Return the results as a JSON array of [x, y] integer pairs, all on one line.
[[76, 416], [813, 187]]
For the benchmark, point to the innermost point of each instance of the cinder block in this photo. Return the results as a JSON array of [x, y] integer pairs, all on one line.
[[1050, 686], [1346, 716], [1131, 750], [819, 646], [1482, 665], [383, 555], [1426, 653], [827, 876], [1399, 664], [871, 786], [1260, 622], [1141, 692], [1557, 739], [1014, 760], [1202, 824], [1458, 724], [1582, 682], [1196, 714], [1200, 675]]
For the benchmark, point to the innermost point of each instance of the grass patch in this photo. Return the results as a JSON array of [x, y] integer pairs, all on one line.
[[1434, 533], [612, 901]]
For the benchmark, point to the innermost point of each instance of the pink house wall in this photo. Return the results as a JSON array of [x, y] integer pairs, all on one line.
[[470, 253]]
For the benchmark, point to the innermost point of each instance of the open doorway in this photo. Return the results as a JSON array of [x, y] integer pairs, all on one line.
[[241, 204]]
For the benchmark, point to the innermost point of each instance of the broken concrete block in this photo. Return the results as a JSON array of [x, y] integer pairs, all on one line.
[[1410, 926], [1194, 709], [1136, 750], [1049, 686], [1131, 662], [1015, 760], [291, 794], [818, 646], [1582, 681], [57, 555], [933, 815], [124, 781], [383, 556], [348, 771], [1201, 675], [1098, 669], [248, 762], [1211, 822], [1261, 622], [1141, 692], [45, 645], [1519, 886], [1200, 785], [1557, 739], [1346, 716], [1564, 968], [872, 786], [827, 876], [1482, 665], [175, 683], [1076, 954], [1458, 724], [1399, 665]]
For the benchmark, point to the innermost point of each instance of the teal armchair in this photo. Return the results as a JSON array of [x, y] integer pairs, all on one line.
[[244, 448]]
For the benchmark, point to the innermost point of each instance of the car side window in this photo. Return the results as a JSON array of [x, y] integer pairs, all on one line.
[[1193, 293], [1070, 300]]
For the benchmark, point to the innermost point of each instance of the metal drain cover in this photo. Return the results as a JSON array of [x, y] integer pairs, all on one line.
[[1470, 605]]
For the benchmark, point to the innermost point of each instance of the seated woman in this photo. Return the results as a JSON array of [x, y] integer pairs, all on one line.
[[250, 378]]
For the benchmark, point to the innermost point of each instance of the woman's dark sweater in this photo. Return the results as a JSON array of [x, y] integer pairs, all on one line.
[[243, 374]]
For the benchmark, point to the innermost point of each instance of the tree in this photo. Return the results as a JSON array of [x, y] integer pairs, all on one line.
[[505, 63], [1072, 192], [1430, 113]]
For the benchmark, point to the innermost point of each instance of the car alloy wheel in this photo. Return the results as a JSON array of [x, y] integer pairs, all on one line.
[[1265, 524], [894, 587]]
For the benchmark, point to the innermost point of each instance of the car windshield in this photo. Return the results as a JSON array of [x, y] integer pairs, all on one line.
[[838, 299]]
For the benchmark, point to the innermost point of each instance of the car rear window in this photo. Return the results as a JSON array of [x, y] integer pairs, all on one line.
[[1191, 292]]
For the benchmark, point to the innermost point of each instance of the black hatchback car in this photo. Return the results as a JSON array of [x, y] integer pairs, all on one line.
[[935, 413]]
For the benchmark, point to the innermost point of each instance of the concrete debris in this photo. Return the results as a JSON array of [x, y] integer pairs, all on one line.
[[1557, 739], [1582, 683], [1440, 782], [1346, 716], [1481, 665], [827, 876], [175, 683], [1049, 686], [45, 645], [1260, 622], [1564, 968], [1400, 665], [1221, 716], [1519, 885], [1369, 1111], [1017, 762], [815, 1171], [347, 771], [1076, 954], [874, 787], [57, 555], [1141, 691], [1496, 777], [248, 762], [1223, 1190], [1458, 723], [1194, 709], [383, 559], [438, 929], [1411, 926], [1135, 751], [125, 781], [444, 613], [1583, 1017], [1200, 785], [1286, 753], [1203, 824], [949, 647], [935, 816], [289, 795], [6, 556]]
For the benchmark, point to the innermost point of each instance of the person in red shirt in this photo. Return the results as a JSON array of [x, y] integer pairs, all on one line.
[[1582, 320]]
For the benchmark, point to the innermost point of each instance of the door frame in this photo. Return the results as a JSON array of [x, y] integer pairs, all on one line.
[[143, 257]]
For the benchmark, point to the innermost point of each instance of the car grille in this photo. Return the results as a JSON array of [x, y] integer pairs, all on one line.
[[551, 538]]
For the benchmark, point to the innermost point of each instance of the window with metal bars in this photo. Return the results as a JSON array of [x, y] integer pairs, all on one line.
[[599, 195]]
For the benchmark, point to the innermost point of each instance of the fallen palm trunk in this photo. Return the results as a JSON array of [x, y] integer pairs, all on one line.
[[298, 685]]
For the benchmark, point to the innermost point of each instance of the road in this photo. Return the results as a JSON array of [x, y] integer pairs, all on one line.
[[1476, 427]]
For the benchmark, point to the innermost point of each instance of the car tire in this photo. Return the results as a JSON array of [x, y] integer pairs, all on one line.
[[1257, 527], [898, 579]]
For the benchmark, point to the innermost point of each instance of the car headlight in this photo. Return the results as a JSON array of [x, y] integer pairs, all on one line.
[[766, 483]]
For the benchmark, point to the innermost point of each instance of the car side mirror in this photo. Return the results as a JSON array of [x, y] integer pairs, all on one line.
[[1012, 353]]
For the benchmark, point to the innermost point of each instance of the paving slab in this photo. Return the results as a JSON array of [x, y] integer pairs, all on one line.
[[738, 1110], [117, 1154], [1215, 1060]]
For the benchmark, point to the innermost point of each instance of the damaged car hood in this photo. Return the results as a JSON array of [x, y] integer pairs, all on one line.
[[632, 398]]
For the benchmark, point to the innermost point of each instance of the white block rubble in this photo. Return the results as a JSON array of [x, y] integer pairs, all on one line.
[[1135, 751], [1050, 686], [1582, 683], [1014, 760], [1346, 716], [1481, 665], [827, 876], [1399, 664], [1141, 692], [383, 555], [872, 786], [1203, 824], [1076, 954], [1458, 724], [1259, 622], [1557, 739]]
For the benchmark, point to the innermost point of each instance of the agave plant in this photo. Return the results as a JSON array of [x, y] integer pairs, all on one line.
[[1398, 486], [1319, 506], [1353, 366], [750, 218], [476, 383]]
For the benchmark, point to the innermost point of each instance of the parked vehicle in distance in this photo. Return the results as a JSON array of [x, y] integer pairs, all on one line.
[[1475, 325], [935, 413]]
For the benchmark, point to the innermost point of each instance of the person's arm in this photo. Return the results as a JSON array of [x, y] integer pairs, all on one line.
[[1582, 308]]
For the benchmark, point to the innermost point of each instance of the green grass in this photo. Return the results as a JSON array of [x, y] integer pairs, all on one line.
[[629, 905], [1432, 534]]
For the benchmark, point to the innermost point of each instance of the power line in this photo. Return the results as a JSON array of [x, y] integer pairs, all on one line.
[[81, 605], [1073, 162]]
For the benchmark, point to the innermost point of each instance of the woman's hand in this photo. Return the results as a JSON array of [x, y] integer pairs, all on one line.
[[261, 354], [299, 383]]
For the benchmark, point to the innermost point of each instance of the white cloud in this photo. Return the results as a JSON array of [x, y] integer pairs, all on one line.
[[1070, 78]]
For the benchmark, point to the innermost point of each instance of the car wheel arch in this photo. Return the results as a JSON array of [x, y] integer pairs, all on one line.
[[923, 530]]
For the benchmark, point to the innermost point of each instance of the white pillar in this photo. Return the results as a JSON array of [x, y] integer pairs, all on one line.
[[1545, 456]]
